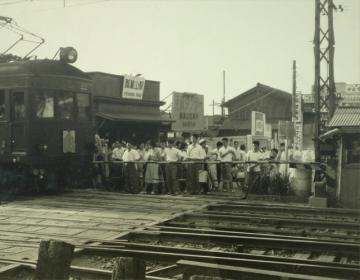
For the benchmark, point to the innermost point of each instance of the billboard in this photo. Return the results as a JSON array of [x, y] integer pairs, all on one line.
[[258, 123], [133, 87], [286, 129], [188, 112]]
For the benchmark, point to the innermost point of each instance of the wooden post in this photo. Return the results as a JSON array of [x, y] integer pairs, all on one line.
[[128, 269], [54, 260]]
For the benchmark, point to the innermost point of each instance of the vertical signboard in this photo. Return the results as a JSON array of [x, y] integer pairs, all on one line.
[[298, 121], [258, 123], [133, 87], [188, 112], [298, 138]]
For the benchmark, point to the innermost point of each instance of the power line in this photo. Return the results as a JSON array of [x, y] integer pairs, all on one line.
[[13, 2]]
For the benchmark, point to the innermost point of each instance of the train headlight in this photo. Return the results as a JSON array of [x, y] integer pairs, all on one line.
[[43, 147], [68, 55], [14, 160], [35, 172], [42, 171]]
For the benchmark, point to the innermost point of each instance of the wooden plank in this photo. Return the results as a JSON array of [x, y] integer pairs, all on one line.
[[326, 258], [257, 252], [302, 256]]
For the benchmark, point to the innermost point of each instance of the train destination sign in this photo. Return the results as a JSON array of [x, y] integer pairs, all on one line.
[[133, 87]]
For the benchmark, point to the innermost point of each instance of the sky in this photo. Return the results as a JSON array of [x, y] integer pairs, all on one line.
[[186, 45]]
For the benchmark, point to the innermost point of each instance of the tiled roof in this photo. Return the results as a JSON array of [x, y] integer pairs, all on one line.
[[346, 117], [263, 90]]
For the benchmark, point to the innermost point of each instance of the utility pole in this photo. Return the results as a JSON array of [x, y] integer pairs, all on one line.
[[213, 105], [223, 99], [324, 85], [294, 92]]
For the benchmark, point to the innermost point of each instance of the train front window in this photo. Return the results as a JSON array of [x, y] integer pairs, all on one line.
[[19, 105], [2, 104], [44, 105], [83, 106], [65, 106]]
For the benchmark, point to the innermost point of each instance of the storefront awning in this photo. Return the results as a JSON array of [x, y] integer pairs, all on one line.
[[121, 117]]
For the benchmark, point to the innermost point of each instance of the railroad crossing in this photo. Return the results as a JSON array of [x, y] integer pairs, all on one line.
[[176, 236]]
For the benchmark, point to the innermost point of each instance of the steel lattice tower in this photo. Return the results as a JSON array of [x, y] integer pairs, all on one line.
[[324, 85]]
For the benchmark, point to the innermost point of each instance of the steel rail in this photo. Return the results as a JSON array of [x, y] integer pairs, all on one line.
[[352, 249], [275, 220], [255, 263]]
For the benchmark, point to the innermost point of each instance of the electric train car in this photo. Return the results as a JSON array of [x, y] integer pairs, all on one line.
[[46, 124]]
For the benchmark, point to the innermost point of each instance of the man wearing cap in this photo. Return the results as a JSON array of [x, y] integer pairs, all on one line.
[[196, 154], [227, 153], [253, 174]]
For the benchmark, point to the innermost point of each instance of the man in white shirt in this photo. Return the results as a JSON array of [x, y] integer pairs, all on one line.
[[204, 174], [227, 154], [172, 155], [130, 175], [196, 154], [117, 166], [253, 174]]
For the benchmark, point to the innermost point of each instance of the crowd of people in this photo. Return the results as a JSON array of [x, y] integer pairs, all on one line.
[[175, 167]]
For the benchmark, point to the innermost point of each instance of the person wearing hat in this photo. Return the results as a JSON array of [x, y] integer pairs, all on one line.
[[196, 154], [253, 174]]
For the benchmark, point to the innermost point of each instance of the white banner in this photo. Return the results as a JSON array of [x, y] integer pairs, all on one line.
[[133, 87]]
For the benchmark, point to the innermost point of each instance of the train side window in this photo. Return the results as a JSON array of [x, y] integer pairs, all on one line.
[[83, 106], [2, 104], [19, 105], [44, 105], [65, 106], [352, 145]]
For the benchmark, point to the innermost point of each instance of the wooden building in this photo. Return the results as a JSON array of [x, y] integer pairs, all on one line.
[[344, 134], [275, 103], [120, 117]]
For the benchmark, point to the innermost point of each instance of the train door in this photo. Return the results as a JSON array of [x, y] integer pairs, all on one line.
[[17, 121], [4, 140]]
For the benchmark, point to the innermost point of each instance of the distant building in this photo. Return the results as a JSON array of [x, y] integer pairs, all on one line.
[[348, 94], [128, 107], [275, 103]]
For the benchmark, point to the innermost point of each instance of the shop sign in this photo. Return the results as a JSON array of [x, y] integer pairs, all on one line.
[[133, 87]]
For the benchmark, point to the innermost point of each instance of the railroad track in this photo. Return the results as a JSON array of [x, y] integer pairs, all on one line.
[[230, 240], [333, 224], [326, 244]]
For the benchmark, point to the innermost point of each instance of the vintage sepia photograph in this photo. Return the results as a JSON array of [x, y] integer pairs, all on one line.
[[179, 139]]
